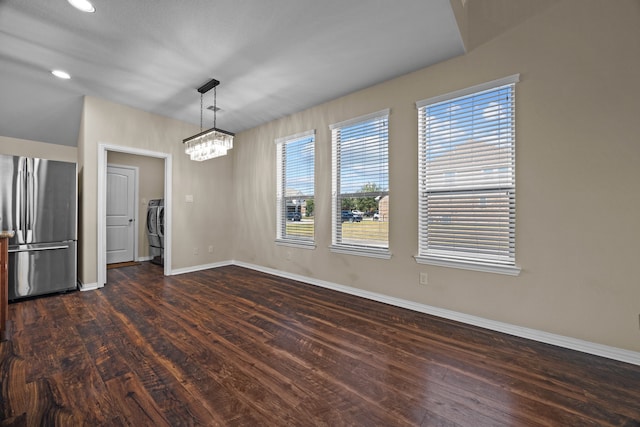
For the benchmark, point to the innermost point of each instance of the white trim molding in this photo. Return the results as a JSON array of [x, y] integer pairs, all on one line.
[[101, 205], [195, 268], [300, 244], [595, 349], [381, 253], [588, 347], [376, 115], [83, 287], [514, 78], [296, 136], [511, 270]]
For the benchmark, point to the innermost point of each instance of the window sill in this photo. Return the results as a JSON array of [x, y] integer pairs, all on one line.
[[301, 244], [366, 252], [510, 270]]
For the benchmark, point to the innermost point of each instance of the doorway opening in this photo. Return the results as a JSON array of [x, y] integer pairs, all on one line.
[[117, 154]]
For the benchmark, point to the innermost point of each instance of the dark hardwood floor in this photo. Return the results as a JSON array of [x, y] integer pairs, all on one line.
[[231, 346]]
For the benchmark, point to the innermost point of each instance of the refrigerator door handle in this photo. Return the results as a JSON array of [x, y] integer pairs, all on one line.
[[30, 199], [21, 201], [41, 247]]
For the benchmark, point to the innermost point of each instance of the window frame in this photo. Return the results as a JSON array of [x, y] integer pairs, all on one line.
[[281, 237], [454, 258], [337, 246]]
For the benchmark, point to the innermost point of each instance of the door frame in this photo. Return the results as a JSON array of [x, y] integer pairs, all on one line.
[[136, 172], [101, 219]]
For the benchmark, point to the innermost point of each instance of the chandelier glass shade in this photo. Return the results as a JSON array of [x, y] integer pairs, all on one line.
[[208, 144], [211, 143]]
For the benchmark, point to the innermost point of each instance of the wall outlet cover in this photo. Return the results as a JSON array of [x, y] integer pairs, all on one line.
[[424, 279]]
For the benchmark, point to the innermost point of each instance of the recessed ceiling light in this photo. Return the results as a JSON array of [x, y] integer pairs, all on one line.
[[61, 74], [82, 5]]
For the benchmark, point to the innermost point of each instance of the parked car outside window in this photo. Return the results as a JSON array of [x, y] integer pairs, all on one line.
[[350, 217], [293, 216]]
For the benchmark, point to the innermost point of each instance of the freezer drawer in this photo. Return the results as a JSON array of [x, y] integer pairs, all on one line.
[[41, 269]]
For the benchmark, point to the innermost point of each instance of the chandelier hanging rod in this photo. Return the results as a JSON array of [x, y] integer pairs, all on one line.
[[202, 90]]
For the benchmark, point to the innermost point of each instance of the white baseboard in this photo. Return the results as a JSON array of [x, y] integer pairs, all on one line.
[[144, 258], [88, 286], [195, 268], [588, 347], [609, 352]]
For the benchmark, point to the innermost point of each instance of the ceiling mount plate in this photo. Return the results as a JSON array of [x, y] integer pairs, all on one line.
[[208, 86]]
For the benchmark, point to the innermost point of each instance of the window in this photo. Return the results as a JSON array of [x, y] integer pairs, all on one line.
[[467, 178], [360, 189], [295, 176]]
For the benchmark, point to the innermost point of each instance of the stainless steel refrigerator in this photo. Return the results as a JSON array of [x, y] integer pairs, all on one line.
[[39, 201]]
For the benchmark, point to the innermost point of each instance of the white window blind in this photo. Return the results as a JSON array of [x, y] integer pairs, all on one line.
[[295, 194], [467, 175], [360, 172]]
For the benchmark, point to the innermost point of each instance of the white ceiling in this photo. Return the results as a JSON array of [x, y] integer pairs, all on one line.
[[272, 57]]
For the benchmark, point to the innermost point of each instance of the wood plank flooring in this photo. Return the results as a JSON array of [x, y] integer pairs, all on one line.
[[235, 347]]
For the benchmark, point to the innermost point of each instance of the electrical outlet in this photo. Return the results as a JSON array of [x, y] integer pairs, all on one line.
[[210, 249], [424, 280], [195, 251]]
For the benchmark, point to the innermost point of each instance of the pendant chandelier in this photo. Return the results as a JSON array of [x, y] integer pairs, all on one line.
[[210, 143]]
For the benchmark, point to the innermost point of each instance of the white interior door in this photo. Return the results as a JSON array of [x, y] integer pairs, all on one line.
[[120, 207]]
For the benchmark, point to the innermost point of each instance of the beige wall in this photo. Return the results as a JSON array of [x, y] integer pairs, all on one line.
[[200, 224], [578, 174], [43, 150], [150, 186], [577, 156]]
